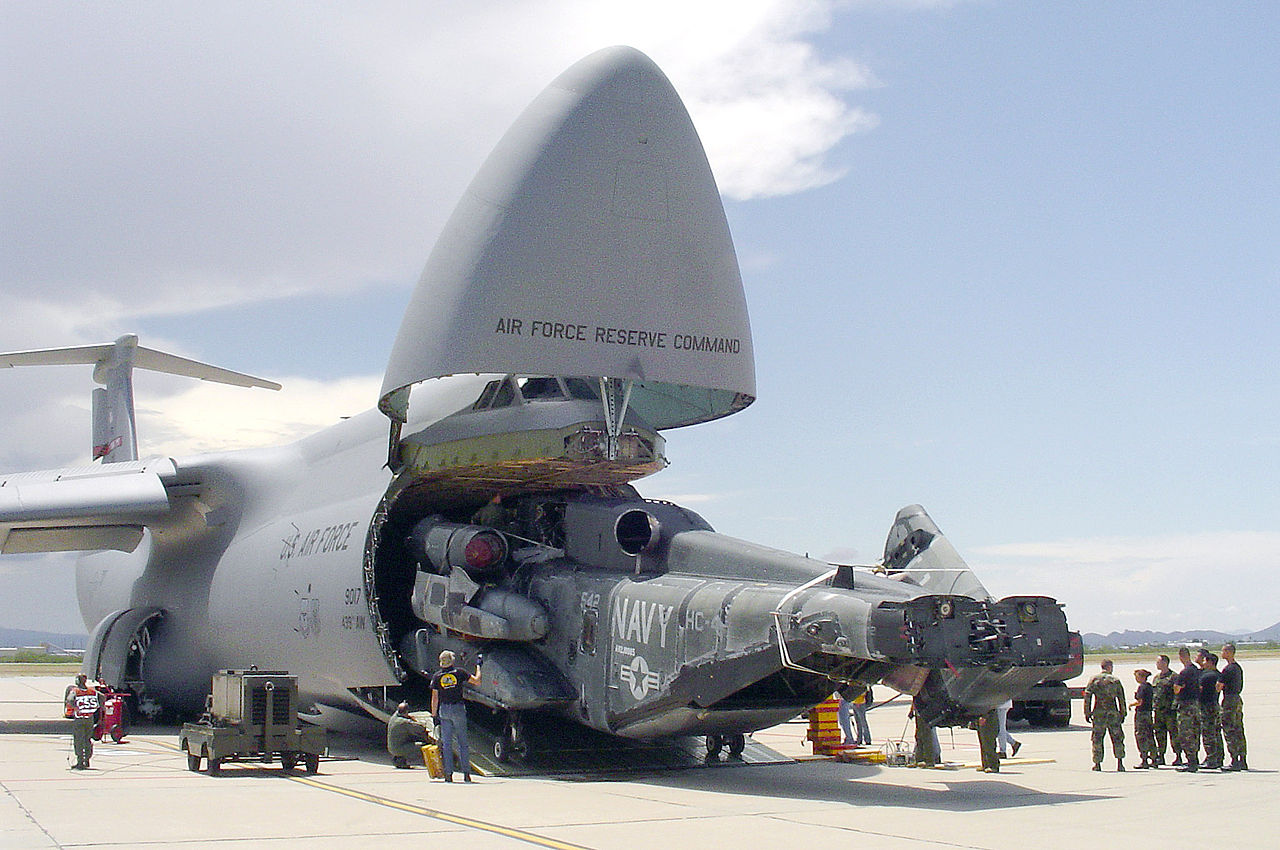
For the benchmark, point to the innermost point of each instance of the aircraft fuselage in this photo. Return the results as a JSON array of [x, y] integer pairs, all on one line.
[[648, 623]]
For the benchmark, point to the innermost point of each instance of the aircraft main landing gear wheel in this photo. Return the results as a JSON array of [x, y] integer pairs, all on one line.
[[215, 766], [288, 760], [504, 751], [513, 742], [737, 743], [312, 762], [715, 743], [193, 762]]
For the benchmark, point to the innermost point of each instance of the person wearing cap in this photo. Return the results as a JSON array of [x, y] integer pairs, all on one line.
[[450, 712], [81, 701], [405, 737], [1143, 727]]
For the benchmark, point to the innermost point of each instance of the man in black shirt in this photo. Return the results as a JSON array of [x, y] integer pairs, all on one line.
[[1210, 717], [1186, 692], [450, 711], [1230, 685]]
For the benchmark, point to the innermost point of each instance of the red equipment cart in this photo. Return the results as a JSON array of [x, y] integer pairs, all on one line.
[[112, 715]]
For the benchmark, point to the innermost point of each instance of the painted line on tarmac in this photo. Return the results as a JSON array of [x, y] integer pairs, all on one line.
[[509, 832], [497, 829]]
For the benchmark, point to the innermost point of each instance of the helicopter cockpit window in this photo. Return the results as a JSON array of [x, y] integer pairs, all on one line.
[[541, 389]]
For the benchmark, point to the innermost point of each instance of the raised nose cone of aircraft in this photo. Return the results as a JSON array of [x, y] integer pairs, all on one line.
[[592, 242]]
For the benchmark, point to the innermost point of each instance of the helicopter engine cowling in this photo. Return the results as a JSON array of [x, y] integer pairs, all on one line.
[[478, 550]]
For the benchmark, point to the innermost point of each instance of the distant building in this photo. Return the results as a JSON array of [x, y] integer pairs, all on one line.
[[9, 653]]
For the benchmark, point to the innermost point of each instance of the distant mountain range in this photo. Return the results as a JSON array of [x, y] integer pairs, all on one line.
[[1142, 638], [25, 637]]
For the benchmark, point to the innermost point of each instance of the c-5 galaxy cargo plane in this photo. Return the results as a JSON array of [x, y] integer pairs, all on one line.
[[583, 299]]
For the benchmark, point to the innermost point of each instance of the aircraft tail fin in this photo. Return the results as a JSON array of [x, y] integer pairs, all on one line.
[[115, 435]]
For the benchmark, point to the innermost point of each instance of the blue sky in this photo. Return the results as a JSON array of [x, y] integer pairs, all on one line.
[[1016, 262]]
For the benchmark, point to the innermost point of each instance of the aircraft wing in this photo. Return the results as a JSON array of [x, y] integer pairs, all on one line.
[[84, 508]]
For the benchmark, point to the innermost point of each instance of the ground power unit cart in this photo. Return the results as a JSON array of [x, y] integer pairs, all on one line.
[[252, 714]]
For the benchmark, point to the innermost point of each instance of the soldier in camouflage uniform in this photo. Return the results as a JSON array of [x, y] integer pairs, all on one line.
[[1210, 711], [1230, 684], [1143, 732], [1164, 720], [1186, 692], [1104, 707]]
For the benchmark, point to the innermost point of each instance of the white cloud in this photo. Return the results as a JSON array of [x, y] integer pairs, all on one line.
[[1214, 580], [846, 555], [757, 260], [767, 104], [168, 159], [210, 417], [163, 160]]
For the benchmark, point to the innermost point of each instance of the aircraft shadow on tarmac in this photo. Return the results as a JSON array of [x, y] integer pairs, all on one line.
[[827, 781], [573, 754], [855, 784], [569, 752], [35, 727]]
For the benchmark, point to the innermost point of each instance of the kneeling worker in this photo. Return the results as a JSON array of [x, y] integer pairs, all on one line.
[[405, 737]]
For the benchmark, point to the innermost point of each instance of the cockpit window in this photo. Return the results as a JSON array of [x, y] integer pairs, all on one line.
[[505, 395], [580, 388], [486, 397], [502, 392], [541, 389]]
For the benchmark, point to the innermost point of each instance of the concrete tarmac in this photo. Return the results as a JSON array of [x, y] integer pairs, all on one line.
[[140, 794]]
